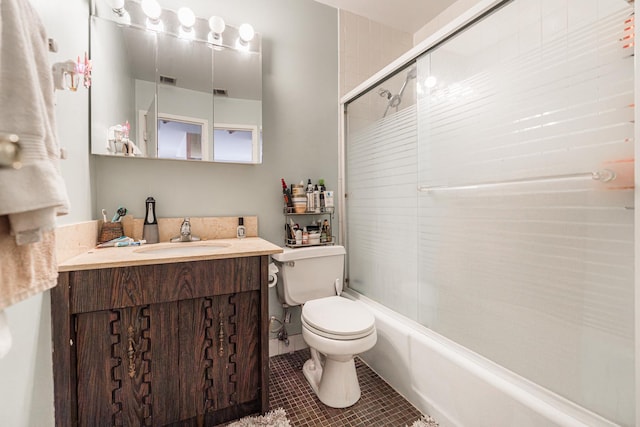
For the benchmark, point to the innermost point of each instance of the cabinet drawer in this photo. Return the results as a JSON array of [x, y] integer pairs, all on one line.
[[93, 290]]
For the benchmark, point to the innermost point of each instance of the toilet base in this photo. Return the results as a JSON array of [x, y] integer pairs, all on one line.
[[333, 379]]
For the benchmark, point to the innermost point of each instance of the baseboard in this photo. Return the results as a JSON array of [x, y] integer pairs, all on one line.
[[277, 347]]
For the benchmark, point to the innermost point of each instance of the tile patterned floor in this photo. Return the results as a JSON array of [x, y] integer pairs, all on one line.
[[379, 404]]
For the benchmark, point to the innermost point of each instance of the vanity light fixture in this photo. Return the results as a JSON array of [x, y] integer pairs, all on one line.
[[183, 23], [217, 26], [246, 33]]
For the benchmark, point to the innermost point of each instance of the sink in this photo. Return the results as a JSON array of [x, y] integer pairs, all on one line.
[[183, 249]]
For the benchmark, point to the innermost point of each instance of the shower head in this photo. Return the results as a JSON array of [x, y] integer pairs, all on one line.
[[395, 100]]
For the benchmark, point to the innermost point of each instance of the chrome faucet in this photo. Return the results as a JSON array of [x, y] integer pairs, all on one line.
[[185, 233]]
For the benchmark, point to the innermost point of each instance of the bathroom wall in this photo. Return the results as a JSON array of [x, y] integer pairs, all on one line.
[[300, 117]]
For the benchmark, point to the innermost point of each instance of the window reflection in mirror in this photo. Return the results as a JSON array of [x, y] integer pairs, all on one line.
[[237, 144], [181, 138]]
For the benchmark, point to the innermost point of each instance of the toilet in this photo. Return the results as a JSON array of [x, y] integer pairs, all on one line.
[[335, 328]]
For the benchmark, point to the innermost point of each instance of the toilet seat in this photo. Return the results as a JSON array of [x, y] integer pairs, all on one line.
[[337, 318]]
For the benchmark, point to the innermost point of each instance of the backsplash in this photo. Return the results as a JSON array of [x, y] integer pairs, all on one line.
[[74, 239]]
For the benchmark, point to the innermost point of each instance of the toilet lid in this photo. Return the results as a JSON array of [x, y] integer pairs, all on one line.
[[338, 317]]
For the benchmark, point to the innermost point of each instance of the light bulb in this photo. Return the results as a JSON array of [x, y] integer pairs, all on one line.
[[430, 82], [246, 32], [217, 25], [116, 4], [152, 9], [186, 17]]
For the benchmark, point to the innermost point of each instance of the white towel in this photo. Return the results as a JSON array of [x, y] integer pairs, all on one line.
[[5, 335], [30, 197], [33, 195]]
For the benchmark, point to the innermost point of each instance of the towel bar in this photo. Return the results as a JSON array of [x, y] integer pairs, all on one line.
[[604, 175]]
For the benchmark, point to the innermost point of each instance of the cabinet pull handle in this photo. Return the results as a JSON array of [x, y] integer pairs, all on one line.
[[221, 336], [131, 352]]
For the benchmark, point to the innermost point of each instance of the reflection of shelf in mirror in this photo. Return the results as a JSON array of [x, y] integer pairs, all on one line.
[[293, 244], [322, 211]]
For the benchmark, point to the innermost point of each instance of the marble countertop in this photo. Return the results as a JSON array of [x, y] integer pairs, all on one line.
[[166, 253]]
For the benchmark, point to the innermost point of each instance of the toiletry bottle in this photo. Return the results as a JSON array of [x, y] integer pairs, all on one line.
[[327, 229], [150, 228], [290, 231], [310, 200], [305, 236], [316, 198], [321, 189], [241, 231], [288, 201], [328, 199]]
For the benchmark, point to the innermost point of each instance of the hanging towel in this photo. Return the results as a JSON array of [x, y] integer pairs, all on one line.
[[5, 335], [25, 270], [33, 195], [30, 197]]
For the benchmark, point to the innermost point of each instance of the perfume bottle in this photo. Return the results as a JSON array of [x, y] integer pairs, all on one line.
[[241, 231]]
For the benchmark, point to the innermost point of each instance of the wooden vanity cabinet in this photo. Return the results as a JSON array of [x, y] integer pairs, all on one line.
[[159, 345]]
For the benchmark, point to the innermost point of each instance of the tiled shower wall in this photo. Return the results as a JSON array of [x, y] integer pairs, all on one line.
[[366, 47], [447, 15]]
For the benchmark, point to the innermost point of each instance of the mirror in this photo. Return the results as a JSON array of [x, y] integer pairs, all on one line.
[[159, 95]]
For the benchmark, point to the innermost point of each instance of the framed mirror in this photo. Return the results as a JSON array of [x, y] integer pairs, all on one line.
[[158, 94]]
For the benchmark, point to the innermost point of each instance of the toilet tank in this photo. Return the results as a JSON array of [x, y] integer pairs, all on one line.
[[308, 273]]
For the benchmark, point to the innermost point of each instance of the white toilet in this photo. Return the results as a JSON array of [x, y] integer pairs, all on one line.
[[334, 327]]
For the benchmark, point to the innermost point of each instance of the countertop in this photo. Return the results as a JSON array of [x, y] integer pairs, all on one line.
[[138, 255]]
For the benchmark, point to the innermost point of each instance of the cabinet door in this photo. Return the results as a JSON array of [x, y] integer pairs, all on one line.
[[246, 345], [204, 367], [220, 358], [125, 360]]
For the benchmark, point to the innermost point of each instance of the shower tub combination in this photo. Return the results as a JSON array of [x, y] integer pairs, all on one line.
[[456, 386], [489, 222]]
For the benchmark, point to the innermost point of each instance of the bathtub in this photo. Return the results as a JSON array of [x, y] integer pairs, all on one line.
[[458, 387]]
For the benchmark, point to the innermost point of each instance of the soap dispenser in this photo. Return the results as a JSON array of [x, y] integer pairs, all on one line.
[[150, 230]]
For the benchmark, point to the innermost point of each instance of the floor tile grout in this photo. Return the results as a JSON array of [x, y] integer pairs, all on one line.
[[379, 404]]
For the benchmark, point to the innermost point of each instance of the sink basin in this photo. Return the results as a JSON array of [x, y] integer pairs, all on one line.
[[183, 249]]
